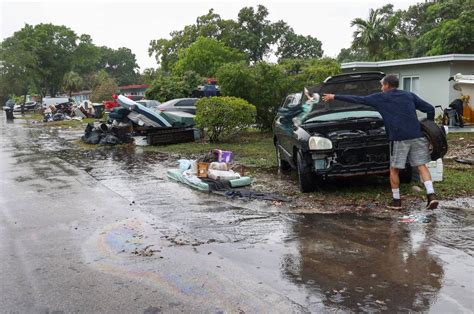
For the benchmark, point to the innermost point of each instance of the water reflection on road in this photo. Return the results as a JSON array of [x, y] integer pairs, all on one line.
[[319, 262]]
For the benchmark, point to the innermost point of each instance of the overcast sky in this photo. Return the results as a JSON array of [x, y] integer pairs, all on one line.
[[133, 24]]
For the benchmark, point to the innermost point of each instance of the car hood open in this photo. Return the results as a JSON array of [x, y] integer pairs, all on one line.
[[360, 84]]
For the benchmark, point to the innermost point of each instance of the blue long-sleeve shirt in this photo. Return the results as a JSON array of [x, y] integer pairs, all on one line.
[[398, 110]]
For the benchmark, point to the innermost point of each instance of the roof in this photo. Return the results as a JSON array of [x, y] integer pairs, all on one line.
[[421, 60], [134, 86], [82, 92]]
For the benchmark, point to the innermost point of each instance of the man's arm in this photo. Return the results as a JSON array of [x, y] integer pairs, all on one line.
[[425, 107], [364, 100]]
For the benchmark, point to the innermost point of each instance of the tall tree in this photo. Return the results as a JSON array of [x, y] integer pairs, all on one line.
[[252, 33], [205, 56], [18, 64], [370, 33], [298, 46], [86, 58], [53, 46], [120, 63], [104, 87], [72, 82], [256, 32]]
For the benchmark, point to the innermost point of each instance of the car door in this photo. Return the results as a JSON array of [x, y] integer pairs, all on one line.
[[284, 130], [187, 105]]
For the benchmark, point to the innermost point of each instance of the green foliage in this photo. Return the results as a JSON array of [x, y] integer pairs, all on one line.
[[86, 57], [167, 87], [205, 56], [351, 55], [18, 70], [39, 54], [121, 64], [104, 86], [265, 85], [299, 46], [236, 80], [371, 34], [252, 33], [429, 28], [224, 115], [451, 36], [304, 73], [72, 82], [210, 25], [36, 59]]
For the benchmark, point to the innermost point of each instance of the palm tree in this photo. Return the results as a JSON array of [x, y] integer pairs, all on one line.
[[72, 82], [370, 33]]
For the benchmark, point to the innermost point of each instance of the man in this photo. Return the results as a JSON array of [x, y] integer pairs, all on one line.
[[407, 142]]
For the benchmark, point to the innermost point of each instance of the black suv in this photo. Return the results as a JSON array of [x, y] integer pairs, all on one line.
[[322, 139]]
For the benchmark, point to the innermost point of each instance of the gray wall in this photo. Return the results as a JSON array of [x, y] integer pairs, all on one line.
[[434, 86], [463, 67]]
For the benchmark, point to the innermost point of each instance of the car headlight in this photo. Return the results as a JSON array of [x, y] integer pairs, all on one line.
[[319, 143]]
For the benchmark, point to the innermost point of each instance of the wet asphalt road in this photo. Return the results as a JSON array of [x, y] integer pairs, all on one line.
[[76, 227]]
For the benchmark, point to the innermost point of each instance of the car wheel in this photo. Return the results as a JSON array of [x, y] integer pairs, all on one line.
[[306, 177], [436, 136], [405, 175], [282, 164]]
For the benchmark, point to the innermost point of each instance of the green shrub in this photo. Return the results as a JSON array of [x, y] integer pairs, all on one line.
[[224, 115]]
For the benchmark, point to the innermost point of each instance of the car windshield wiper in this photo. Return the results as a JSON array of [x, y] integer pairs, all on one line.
[[356, 118]]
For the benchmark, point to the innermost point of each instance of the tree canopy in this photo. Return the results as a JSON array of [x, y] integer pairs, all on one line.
[[47, 59], [252, 33], [205, 56], [424, 29]]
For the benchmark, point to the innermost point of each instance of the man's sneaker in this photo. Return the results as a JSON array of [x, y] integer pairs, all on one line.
[[395, 204], [432, 201]]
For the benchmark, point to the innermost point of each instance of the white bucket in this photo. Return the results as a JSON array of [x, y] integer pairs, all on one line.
[[436, 170]]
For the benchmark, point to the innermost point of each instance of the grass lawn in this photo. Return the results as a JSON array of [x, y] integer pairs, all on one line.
[[255, 150], [39, 117], [252, 149]]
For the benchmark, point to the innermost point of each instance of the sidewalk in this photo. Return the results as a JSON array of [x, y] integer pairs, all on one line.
[[465, 129]]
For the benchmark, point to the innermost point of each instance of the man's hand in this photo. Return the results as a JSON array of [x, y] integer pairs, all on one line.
[[328, 97]]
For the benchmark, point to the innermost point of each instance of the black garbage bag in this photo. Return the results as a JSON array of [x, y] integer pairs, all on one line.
[[58, 117], [93, 137], [48, 117], [109, 139]]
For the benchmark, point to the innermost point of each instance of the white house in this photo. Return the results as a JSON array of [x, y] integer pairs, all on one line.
[[428, 77]]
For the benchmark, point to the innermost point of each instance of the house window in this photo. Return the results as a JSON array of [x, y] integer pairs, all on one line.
[[411, 84]]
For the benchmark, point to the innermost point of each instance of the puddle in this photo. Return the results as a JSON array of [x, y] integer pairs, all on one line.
[[336, 262]]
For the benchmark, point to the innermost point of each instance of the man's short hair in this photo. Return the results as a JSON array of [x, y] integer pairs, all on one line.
[[391, 80]]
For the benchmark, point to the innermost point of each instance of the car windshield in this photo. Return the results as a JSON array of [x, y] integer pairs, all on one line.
[[358, 88], [345, 115]]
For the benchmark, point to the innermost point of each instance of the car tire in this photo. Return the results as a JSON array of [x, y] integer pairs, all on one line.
[[283, 165], [436, 137], [406, 174], [306, 177]]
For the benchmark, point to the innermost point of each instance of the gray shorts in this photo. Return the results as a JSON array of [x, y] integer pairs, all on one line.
[[416, 151]]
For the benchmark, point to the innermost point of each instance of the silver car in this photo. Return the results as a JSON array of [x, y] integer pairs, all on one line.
[[180, 104]]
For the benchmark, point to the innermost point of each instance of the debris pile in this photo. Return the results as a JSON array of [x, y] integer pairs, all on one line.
[[104, 134], [132, 118], [216, 173], [70, 111]]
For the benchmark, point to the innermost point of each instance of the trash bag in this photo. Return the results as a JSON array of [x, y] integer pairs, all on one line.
[[93, 137], [58, 117], [109, 139], [48, 117]]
